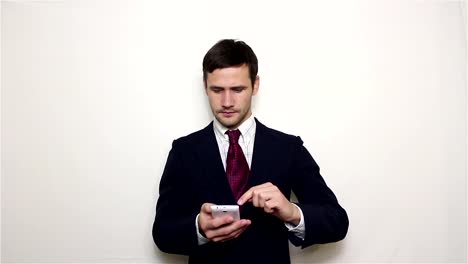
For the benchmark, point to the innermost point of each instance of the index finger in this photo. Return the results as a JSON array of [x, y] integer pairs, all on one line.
[[247, 196]]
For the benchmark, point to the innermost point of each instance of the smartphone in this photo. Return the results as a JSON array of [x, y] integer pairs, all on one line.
[[222, 210]]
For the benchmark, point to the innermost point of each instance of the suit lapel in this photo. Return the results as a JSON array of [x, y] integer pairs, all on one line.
[[261, 155], [217, 185]]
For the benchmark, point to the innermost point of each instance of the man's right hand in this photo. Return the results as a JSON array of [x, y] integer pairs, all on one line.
[[220, 229]]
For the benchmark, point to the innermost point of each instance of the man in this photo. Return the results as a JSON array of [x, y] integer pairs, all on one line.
[[238, 160]]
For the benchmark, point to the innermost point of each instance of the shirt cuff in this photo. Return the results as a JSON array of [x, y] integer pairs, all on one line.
[[298, 230], [201, 239]]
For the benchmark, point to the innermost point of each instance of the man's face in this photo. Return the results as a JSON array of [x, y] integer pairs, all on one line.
[[230, 94]]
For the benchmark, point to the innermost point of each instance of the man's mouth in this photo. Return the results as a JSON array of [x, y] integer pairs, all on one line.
[[227, 113]]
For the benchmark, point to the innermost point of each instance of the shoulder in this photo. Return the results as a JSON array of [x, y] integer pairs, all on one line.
[[276, 135], [194, 138]]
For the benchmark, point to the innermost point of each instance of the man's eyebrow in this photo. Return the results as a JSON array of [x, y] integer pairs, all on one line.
[[230, 87], [215, 87], [238, 87]]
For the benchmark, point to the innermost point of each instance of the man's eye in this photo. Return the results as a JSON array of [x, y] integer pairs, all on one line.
[[215, 90], [238, 90]]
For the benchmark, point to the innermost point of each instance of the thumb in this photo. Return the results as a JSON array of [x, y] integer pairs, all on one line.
[[206, 208]]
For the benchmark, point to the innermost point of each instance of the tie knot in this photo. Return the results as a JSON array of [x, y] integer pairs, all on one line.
[[233, 136]]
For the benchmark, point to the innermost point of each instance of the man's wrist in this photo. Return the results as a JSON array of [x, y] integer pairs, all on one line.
[[202, 239], [295, 218], [297, 229]]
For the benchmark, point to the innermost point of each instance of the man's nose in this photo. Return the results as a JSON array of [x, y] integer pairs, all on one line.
[[227, 100]]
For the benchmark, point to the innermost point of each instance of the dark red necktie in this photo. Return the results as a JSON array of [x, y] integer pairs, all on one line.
[[237, 169]]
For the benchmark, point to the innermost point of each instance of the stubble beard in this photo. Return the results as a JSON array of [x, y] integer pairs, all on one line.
[[234, 121]]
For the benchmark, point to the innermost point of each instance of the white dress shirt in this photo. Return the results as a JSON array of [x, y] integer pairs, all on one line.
[[246, 142]]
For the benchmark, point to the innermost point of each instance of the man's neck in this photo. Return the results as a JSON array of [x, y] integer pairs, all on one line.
[[244, 126]]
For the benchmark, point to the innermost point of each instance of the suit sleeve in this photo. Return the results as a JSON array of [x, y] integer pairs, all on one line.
[[174, 228], [325, 220]]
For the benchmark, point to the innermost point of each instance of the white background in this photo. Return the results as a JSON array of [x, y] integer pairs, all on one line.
[[94, 92]]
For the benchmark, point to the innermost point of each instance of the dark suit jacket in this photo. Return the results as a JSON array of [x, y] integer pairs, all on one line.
[[194, 174]]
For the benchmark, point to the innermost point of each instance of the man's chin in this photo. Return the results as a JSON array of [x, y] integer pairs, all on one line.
[[227, 122]]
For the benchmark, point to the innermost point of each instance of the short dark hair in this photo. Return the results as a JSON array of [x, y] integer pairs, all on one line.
[[227, 53]]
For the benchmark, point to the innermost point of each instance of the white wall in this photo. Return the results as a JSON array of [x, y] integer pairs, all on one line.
[[94, 92]]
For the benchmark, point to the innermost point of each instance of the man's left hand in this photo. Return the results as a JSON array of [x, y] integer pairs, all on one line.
[[272, 200]]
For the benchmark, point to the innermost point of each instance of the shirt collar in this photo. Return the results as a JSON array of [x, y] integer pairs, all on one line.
[[243, 128]]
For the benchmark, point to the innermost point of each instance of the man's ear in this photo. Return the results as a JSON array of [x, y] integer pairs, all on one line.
[[256, 85], [204, 87]]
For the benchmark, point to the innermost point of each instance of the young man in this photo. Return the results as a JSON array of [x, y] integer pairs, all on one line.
[[238, 160]]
